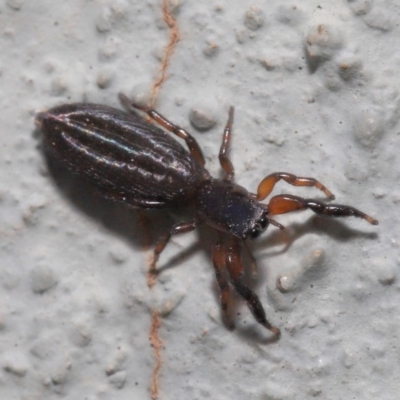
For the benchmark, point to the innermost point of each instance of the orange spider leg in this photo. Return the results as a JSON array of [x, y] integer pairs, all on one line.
[[267, 184], [253, 261], [286, 203], [235, 269], [218, 257]]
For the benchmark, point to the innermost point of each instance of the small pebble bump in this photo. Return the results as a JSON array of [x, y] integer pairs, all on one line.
[[104, 79], [285, 283], [311, 264], [60, 373], [360, 7], [211, 49], [289, 15], [81, 333], [380, 19], [58, 86], [42, 278], [103, 22], [118, 254], [369, 128], [348, 358], [322, 42], [385, 270], [110, 49], [171, 303], [14, 4], [350, 68], [15, 363], [117, 362], [140, 94], [202, 119], [118, 379], [254, 18]]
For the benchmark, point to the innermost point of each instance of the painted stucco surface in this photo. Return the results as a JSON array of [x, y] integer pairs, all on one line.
[[315, 87]]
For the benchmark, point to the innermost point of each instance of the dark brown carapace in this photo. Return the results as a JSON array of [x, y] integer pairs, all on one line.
[[133, 161]]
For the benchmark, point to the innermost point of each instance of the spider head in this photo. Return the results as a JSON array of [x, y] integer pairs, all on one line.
[[230, 208], [257, 227]]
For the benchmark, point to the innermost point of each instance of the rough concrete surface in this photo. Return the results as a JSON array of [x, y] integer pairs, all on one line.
[[315, 85]]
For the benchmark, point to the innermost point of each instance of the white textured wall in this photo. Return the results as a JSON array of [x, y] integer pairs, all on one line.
[[75, 310]]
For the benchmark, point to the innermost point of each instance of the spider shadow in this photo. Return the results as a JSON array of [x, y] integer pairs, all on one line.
[[140, 228], [207, 236], [337, 230]]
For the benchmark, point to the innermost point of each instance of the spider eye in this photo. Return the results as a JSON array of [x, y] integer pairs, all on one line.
[[263, 222], [254, 233]]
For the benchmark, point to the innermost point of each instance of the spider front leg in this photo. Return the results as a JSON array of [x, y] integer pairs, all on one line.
[[286, 203], [191, 142], [267, 184], [218, 257], [235, 268]]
